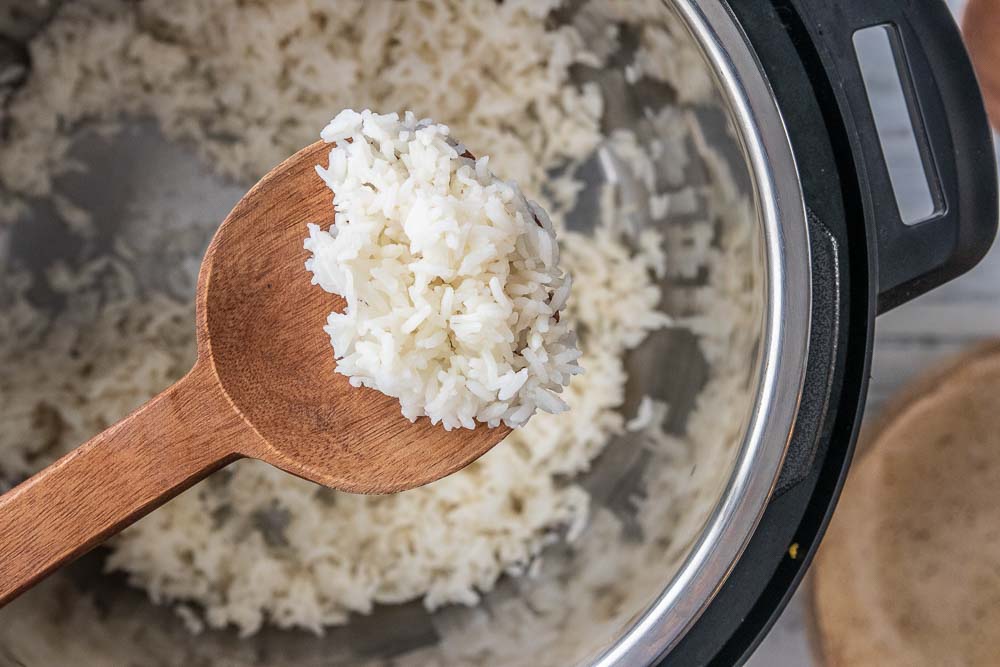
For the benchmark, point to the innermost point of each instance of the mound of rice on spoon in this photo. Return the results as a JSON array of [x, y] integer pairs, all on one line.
[[451, 277]]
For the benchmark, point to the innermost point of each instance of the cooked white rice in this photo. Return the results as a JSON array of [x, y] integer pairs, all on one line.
[[451, 277], [248, 83]]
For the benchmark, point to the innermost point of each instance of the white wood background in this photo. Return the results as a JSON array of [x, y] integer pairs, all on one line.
[[908, 340]]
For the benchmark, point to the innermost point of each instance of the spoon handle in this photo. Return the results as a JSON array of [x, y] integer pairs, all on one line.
[[115, 478]]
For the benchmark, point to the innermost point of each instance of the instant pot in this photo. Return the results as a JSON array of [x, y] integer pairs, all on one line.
[[794, 80], [835, 249]]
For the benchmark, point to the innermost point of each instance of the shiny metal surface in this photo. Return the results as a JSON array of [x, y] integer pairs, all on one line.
[[652, 622], [778, 197]]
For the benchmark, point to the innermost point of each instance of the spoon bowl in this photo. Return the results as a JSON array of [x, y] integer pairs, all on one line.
[[261, 328], [263, 387]]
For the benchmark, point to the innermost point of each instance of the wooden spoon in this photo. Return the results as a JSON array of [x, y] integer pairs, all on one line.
[[263, 387]]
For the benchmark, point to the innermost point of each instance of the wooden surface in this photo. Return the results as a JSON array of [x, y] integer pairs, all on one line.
[[263, 387], [982, 35], [908, 573]]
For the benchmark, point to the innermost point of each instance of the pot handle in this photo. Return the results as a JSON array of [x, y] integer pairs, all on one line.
[[952, 131]]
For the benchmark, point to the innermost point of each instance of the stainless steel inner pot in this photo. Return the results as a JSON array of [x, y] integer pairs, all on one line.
[[626, 591]]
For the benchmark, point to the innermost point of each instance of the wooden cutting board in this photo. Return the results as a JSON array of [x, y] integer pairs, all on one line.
[[909, 572], [981, 29]]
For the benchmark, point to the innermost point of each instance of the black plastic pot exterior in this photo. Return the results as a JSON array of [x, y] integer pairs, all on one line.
[[865, 261]]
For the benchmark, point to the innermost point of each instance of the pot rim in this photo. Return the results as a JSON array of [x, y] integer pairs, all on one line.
[[781, 363]]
